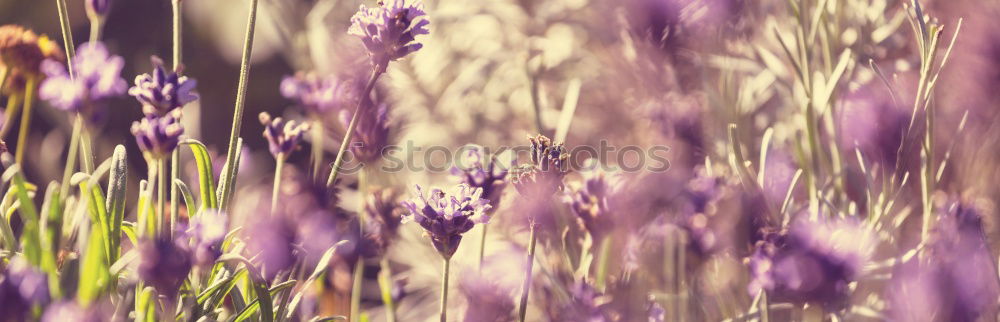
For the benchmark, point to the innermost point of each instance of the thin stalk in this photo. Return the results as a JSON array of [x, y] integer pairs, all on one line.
[[279, 164], [536, 104], [176, 6], [385, 284], [317, 148], [67, 34], [522, 308], [96, 26], [444, 290], [74, 146], [13, 108], [175, 204], [241, 94], [482, 246], [22, 136], [161, 197], [602, 264], [359, 275], [376, 72]]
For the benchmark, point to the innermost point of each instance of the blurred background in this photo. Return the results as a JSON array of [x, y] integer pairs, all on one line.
[[649, 72]]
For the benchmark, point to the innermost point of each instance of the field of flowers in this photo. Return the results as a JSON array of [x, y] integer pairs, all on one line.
[[505, 160]]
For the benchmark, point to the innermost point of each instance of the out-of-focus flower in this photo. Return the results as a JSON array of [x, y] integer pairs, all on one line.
[[381, 207], [282, 136], [72, 311], [548, 167], [319, 95], [371, 133], [207, 231], [21, 287], [702, 193], [158, 135], [958, 281], [487, 299], [21, 54], [813, 263], [591, 199], [98, 8], [271, 239], [161, 92], [97, 77], [388, 31], [586, 304], [446, 216], [474, 170], [655, 311], [164, 264]]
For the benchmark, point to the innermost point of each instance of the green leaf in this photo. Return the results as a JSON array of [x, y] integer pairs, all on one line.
[[260, 288], [186, 194], [115, 205], [228, 181], [145, 305], [321, 267], [30, 242], [94, 271], [206, 175]]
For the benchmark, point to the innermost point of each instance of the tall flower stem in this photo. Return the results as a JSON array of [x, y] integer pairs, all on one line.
[[279, 164], [161, 191], [67, 34], [241, 94], [376, 72], [317, 148], [359, 266], [482, 246], [22, 136], [96, 26], [13, 107], [176, 6], [74, 146], [522, 308], [175, 156], [385, 284], [602, 263], [86, 147], [444, 290]]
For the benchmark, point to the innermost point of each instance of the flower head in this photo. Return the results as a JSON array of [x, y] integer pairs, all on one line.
[[474, 170], [207, 231], [388, 31], [271, 240], [164, 264], [282, 136], [590, 199], [97, 77], [319, 95], [446, 216], [21, 55], [814, 262], [98, 8], [380, 205], [160, 91], [158, 135], [543, 177], [21, 287], [488, 299]]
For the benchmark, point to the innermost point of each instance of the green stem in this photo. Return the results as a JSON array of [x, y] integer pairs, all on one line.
[[175, 205], [161, 197], [22, 136], [482, 246], [276, 189], [444, 290], [359, 275], [602, 264], [67, 35], [350, 127], [176, 6], [96, 26], [86, 148], [13, 108], [522, 308], [317, 149], [74, 146], [241, 94], [385, 284]]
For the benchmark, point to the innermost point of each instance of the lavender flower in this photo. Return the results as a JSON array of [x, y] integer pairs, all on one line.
[[488, 300], [72, 311], [207, 231], [319, 95], [21, 287], [282, 136], [543, 177], [814, 262], [591, 199], [164, 264], [586, 304], [957, 282], [371, 133], [160, 92], [158, 135], [270, 239], [98, 8], [388, 31], [446, 216], [97, 78], [477, 172], [380, 205], [655, 311]]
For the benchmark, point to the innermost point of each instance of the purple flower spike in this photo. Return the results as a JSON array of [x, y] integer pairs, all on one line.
[[158, 135], [544, 176], [319, 94], [164, 264], [21, 287], [271, 241], [474, 170], [282, 136], [388, 31], [160, 92], [98, 8], [590, 200], [207, 231], [98, 78], [446, 216]]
